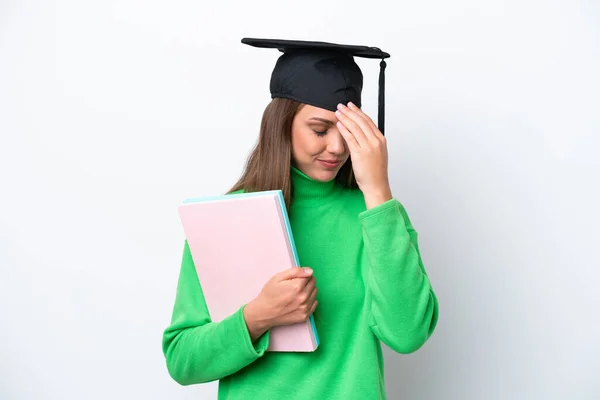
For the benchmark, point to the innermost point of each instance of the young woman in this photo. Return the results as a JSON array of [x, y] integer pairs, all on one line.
[[363, 280]]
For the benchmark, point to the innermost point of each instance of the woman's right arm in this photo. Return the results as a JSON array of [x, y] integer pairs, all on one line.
[[198, 350]]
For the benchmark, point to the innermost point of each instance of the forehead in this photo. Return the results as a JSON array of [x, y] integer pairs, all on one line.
[[307, 111]]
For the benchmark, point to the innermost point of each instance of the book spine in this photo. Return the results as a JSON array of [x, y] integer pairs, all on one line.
[[295, 253]]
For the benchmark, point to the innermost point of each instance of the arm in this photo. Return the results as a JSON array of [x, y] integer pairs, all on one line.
[[198, 350], [403, 306]]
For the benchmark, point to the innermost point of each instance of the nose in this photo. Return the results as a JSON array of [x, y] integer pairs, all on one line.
[[336, 143]]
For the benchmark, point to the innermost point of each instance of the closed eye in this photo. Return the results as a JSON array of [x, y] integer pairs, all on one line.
[[321, 122]]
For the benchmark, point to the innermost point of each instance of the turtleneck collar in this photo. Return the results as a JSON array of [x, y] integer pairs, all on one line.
[[310, 192]]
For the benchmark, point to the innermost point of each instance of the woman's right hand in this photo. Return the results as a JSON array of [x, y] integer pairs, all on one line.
[[287, 298]]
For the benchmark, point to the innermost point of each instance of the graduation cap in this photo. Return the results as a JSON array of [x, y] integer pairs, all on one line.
[[322, 74]]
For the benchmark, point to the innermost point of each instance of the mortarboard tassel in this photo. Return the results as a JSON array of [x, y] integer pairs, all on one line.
[[381, 103]]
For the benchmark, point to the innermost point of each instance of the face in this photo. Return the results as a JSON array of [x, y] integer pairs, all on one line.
[[316, 140]]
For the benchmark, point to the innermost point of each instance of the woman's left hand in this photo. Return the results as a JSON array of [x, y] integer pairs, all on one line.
[[368, 152]]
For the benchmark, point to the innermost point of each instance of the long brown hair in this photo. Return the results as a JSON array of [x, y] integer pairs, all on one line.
[[268, 165]]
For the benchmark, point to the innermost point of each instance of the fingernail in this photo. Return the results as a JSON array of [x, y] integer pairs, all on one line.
[[338, 113], [308, 271], [340, 106], [351, 104]]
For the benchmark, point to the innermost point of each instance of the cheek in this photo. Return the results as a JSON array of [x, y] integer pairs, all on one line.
[[305, 142]]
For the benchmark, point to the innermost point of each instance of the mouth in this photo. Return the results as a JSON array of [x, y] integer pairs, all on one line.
[[330, 163]]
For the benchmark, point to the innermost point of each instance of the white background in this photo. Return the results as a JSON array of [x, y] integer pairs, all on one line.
[[111, 112]]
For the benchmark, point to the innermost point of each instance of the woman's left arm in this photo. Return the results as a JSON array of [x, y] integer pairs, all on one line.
[[403, 305]]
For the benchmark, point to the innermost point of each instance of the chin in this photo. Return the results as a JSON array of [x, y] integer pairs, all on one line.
[[324, 175]]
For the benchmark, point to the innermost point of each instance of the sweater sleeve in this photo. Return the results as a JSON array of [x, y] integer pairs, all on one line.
[[403, 306], [198, 350]]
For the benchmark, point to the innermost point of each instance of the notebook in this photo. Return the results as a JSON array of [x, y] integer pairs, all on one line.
[[238, 242]]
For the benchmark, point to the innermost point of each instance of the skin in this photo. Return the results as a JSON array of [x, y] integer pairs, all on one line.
[[318, 134], [316, 137]]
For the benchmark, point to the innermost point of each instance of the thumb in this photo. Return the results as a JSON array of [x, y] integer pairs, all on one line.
[[295, 272]]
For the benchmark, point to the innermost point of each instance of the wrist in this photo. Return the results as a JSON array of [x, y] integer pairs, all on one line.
[[255, 322], [377, 197]]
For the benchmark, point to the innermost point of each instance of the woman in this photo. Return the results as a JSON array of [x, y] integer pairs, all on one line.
[[364, 282]]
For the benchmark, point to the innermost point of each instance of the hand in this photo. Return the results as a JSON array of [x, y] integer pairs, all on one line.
[[368, 151], [287, 298]]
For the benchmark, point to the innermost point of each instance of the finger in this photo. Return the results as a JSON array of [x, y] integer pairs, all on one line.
[[312, 297], [311, 284], [306, 297], [352, 126], [311, 303], [353, 145], [313, 308], [293, 273], [359, 120], [367, 119], [308, 286], [299, 285]]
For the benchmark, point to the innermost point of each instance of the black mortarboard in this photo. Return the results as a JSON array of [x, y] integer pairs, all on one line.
[[322, 74]]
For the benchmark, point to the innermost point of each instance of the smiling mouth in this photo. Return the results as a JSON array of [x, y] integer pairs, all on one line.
[[330, 161], [327, 163]]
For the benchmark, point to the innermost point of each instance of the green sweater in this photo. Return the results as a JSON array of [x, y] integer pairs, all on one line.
[[372, 288]]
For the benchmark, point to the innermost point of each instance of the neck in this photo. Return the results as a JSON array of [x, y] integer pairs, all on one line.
[[310, 192]]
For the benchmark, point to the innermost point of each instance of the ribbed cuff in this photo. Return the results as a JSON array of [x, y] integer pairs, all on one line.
[[381, 208], [254, 349]]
